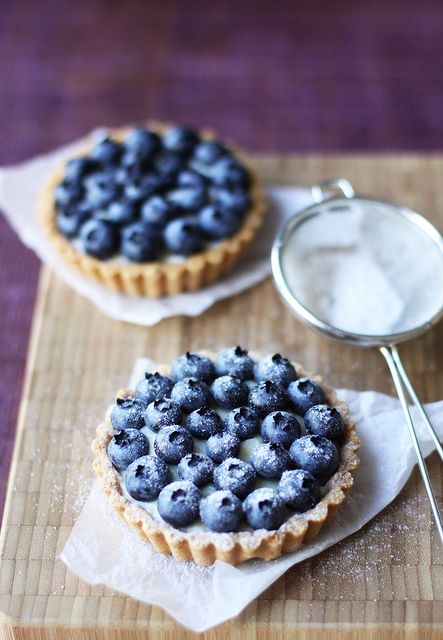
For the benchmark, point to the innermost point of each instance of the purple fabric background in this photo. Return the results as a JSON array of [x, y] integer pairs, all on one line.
[[275, 76]]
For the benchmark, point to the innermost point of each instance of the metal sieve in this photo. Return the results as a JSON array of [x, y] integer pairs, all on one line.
[[366, 272]]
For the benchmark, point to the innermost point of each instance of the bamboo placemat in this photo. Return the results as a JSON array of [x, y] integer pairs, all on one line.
[[384, 582]]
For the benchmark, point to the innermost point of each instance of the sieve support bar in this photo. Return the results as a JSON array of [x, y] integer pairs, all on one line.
[[391, 359]]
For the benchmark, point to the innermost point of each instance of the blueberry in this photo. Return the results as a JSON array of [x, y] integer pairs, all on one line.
[[141, 242], [128, 413], [229, 173], [196, 468], [178, 503], [180, 140], [142, 188], [221, 511], [126, 446], [235, 475], [299, 490], [204, 422], [77, 168], [162, 412], [244, 422], [101, 189], [209, 151], [217, 224], [99, 238], [172, 443], [68, 194], [267, 396], [157, 211], [264, 509], [191, 394], [70, 220], [315, 454], [153, 386], [322, 420], [107, 152], [143, 143], [304, 393], [118, 212], [146, 477], [193, 365], [236, 201], [270, 460], [235, 362], [280, 427], [188, 199], [222, 445], [275, 368], [168, 166], [189, 178], [183, 236], [229, 391]]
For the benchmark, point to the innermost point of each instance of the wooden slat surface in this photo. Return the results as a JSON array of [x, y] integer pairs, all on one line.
[[385, 581]]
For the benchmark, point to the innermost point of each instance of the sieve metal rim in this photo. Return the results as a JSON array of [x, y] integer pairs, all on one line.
[[310, 319]]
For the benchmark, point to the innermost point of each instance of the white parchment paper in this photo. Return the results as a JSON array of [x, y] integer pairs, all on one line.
[[103, 550], [19, 189]]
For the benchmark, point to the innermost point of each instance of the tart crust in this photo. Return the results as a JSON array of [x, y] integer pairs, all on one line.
[[204, 547], [156, 279]]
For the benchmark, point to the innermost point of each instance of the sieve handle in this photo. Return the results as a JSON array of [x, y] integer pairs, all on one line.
[[400, 378], [323, 190]]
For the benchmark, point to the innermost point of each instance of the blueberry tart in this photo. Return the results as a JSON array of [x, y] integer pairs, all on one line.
[[206, 472], [154, 210]]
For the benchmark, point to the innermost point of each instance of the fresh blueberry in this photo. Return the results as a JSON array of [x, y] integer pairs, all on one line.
[[141, 242], [107, 152], [128, 413], [222, 445], [270, 460], [267, 396], [152, 387], [209, 151], [196, 468], [189, 178], [180, 140], [142, 188], [304, 393], [178, 503], [230, 392], [168, 166], [204, 422], [191, 394], [229, 173], [188, 199], [322, 420], [183, 236], [157, 211], [126, 446], [172, 443], [315, 454], [69, 220], [221, 511], [146, 477], [68, 194], [264, 509], [101, 189], [235, 475], [299, 490], [235, 362], [193, 365], [275, 368], [280, 427], [119, 212], [99, 238], [162, 412], [244, 422], [236, 202], [77, 168], [143, 143], [217, 224]]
